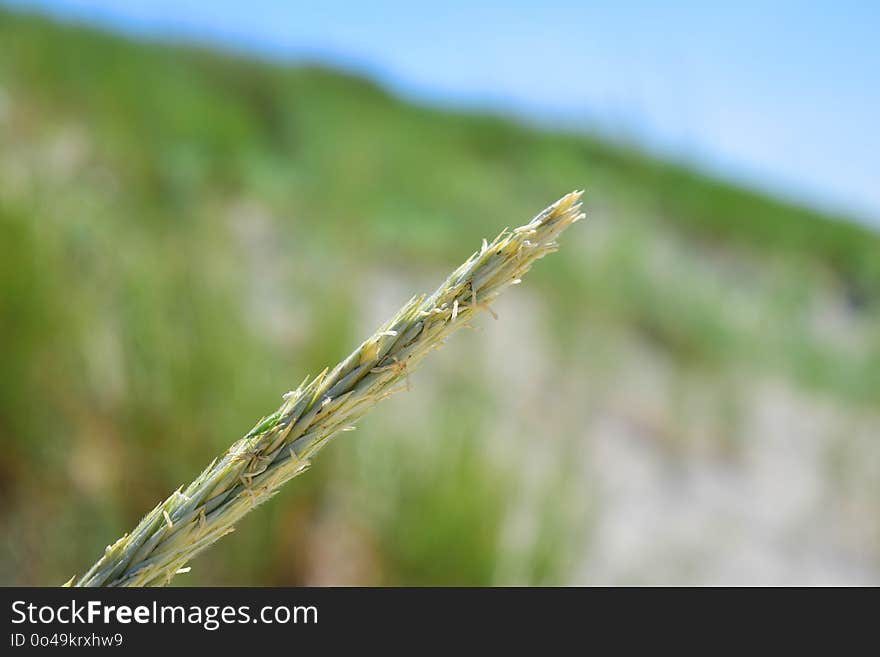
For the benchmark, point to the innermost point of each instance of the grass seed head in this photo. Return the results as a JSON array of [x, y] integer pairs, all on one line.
[[279, 446]]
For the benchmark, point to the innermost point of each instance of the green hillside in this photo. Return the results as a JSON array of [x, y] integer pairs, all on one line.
[[184, 234]]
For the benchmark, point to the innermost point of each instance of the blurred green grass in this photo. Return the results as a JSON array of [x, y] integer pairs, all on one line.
[[184, 234]]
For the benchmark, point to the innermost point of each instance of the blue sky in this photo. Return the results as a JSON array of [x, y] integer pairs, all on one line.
[[780, 95]]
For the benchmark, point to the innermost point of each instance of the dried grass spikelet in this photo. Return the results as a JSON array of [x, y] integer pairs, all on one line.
[[279, 447]]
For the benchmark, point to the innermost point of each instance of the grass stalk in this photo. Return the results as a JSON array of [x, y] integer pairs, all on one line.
[[282, 444]]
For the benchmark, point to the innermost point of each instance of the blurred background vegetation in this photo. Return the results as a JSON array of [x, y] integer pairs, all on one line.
[[689, 391]]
